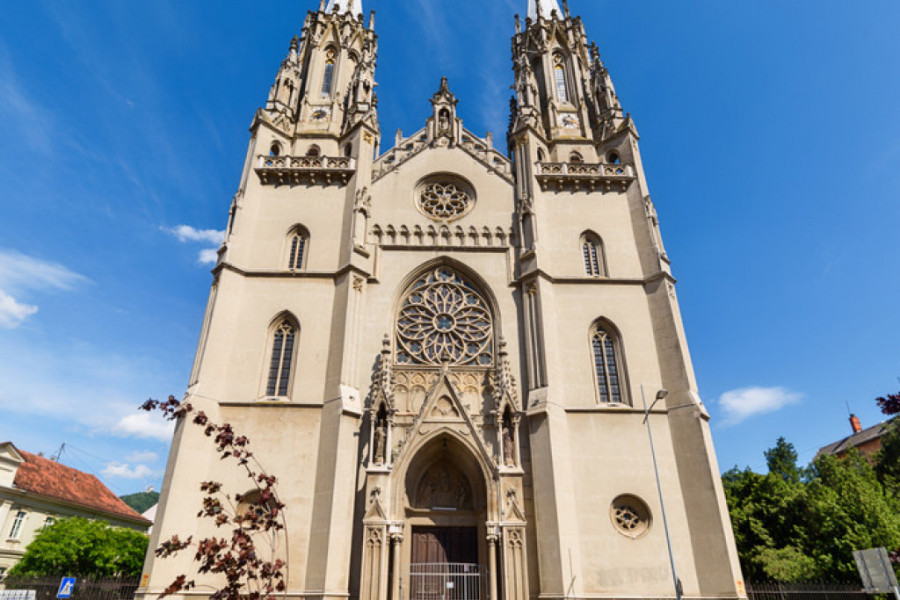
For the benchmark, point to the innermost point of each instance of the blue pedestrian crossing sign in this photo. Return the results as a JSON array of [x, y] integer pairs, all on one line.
[[66, 586]]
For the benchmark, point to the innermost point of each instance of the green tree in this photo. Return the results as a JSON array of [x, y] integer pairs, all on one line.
[[796, 524], [79, 547], [766, 511], [140, 501]]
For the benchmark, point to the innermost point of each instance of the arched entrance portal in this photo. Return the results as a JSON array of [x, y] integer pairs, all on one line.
[[445, 513]]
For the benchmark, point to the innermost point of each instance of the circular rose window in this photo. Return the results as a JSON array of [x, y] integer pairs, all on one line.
[[444, 198], [630, 516]]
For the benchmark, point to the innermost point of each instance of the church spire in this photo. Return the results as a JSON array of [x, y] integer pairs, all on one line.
[[354, 7], [544, 8]]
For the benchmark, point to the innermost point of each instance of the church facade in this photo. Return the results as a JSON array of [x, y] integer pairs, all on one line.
[[444, 351]]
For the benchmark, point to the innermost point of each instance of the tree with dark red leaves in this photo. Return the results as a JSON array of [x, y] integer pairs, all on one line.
[[890, 404], [256, 520]]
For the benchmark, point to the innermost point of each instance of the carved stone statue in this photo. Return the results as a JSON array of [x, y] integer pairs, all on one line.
[[509, 458], [380, 440]]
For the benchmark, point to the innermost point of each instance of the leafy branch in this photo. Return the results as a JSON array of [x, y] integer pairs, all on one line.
[[255, 518]]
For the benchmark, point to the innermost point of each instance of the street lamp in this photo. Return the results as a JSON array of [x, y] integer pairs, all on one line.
[[662, 505]]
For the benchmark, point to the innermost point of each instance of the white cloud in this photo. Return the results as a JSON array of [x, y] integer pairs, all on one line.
[[116, 469], [740, 404], [142, 456], [144, 425], [12, 313], [186, 233], [208, 256], [20, 272]]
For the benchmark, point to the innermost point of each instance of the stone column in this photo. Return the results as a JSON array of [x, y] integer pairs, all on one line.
[[492, 538], [397, 542]]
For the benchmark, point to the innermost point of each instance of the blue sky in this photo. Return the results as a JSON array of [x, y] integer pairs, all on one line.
[[771, 140]]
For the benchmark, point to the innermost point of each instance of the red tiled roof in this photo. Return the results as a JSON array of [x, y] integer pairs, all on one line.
[[54, 480]]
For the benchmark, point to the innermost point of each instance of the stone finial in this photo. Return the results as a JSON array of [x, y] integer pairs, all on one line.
[[542, 8], [354, 7]]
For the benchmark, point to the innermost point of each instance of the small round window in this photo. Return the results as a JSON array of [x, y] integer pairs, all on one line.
[[444, 197], [630, 516]]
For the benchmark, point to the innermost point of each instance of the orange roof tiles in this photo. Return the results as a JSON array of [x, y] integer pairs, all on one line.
[[54, 480]]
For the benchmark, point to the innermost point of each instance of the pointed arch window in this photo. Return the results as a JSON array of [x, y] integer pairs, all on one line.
[[281, 362], [328, 75], [559, 77], [607, 364], [592, 254], [298, 244]]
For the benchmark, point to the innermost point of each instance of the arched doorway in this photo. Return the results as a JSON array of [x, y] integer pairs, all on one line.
[[445, 501]]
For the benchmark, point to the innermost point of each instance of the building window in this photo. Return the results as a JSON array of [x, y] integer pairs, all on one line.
[[328, 76], [298, 242], [17, 525], [444, 318], [559, 74], [592, 253], [48, 522], [607, 371], [282, 359]]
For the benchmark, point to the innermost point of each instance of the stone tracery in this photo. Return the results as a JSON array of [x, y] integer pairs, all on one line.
[[443, 318]]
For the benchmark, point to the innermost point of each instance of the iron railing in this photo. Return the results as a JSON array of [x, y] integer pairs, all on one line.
[[773, 590], [45, 588], [446, 581]]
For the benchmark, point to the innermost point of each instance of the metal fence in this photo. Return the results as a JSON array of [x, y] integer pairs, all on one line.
[[45, 588], [446, 581], [774, 590]]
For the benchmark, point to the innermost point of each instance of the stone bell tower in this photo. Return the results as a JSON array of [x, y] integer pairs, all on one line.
[[442, 351]]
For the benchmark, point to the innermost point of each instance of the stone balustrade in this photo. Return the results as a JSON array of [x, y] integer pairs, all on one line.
[[312, 170], [583, 176]]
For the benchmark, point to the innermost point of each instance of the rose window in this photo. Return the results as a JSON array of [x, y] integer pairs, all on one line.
[[444, 318], [444, 200], [630, 516]]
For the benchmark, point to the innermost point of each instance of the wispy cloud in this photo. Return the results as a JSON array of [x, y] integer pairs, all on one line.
[[34, 124], [187, 234], [144, 425], [21, 274], [117, 469], [743, 403], [139, 456]]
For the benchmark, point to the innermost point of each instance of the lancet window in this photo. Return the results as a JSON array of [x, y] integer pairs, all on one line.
[[559, 77], [592, 253], [607, 361], [328, 75], [283, 340], [298, 242], [444, 318]]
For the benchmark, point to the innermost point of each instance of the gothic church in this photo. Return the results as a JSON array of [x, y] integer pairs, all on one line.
[[443, 351]]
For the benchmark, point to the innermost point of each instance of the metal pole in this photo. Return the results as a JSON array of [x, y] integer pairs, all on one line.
[[662, 504]]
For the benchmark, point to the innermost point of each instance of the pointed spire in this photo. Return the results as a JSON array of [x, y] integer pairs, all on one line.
[[543, 7], [354, 7]]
